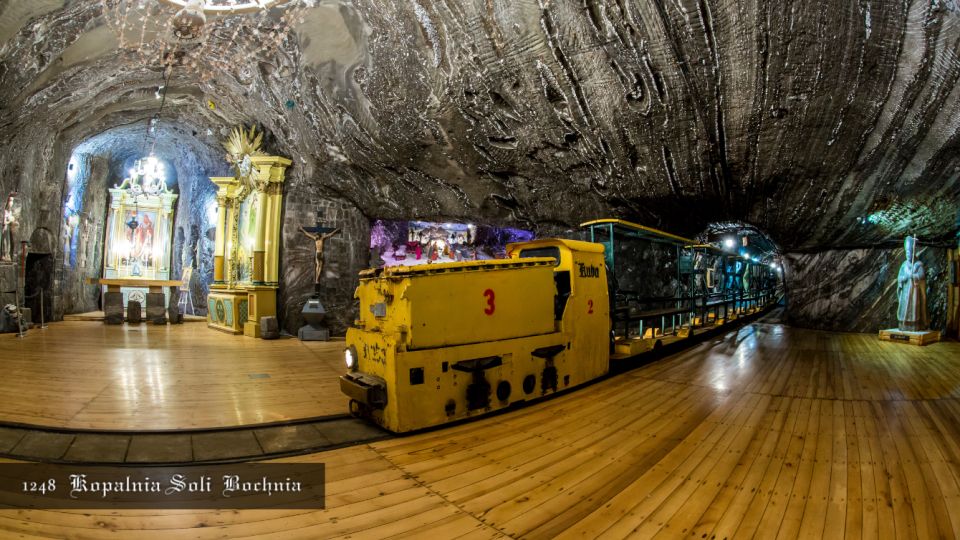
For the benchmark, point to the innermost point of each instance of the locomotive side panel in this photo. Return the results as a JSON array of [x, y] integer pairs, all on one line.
[[474, 306], [450, 341], [453, 304]]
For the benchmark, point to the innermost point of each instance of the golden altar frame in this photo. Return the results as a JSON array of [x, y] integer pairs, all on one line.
[[247, 249]]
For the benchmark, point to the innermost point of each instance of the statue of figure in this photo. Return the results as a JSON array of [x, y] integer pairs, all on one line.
[[10, 220], [319, 238], [82, 248], [911, 291]]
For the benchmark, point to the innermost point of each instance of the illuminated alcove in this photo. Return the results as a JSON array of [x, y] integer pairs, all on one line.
[[99, 165], [414, 242]]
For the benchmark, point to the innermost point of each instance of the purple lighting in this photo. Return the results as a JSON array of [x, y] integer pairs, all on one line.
[[409, 243]]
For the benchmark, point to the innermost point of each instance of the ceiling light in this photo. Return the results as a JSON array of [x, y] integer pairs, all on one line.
[[224, 7], [206, 37], [148, 177]]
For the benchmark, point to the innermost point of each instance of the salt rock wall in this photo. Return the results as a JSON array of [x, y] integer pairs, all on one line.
[[856, 290], [194, 231], [80, 251], [345, 255], [800, 117]]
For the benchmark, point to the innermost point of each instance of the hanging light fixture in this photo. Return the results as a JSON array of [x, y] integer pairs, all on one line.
[[204, 36], [147, 178], [229, 7], [188, 23]]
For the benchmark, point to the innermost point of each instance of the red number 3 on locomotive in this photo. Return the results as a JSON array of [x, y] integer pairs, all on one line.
[[491, 306]]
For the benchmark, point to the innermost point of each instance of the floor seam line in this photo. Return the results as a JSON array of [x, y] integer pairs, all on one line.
[[420, 483]]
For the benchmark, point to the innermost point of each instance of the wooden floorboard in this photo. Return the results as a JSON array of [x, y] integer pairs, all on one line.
[[766, 432], [87, 375]]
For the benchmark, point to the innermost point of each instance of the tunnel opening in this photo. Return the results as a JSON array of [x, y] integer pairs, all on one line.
[[745, 260], [38, 282]]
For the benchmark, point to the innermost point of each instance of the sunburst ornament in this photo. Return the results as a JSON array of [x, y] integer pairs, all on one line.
[[241, 146]]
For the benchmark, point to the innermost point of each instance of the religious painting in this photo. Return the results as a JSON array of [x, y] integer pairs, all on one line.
[[410, 243], [246, 236], [138, 245]]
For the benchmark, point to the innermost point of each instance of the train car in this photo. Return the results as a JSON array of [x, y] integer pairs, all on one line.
[[442, 342], [708, 286]]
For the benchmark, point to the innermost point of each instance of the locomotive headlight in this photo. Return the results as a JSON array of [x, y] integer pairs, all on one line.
[[350, 355]]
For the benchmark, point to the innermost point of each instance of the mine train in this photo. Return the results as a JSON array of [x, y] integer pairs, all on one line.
[[443, 342]]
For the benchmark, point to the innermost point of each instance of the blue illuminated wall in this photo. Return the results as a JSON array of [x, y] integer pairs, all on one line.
[[81, 230], [102, 162]]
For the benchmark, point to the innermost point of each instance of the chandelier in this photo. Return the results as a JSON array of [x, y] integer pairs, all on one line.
[[147, 178], [204, 36], [226, 6]]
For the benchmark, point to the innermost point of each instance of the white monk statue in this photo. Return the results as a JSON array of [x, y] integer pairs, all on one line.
[[9, 223], [912, 291]]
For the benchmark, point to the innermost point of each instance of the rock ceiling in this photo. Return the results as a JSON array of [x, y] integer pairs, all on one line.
[[827, 123]]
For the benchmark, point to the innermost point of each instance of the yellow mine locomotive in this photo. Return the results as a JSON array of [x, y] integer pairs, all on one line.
[[442, 342]]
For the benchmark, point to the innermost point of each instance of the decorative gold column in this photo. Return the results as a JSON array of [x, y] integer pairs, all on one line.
[[219, 242], [262, 292], [272, 171], [228, 189], [259, 244], [167, 201], [271, 235]]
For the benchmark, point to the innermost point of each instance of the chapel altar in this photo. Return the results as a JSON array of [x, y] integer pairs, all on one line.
[[246, 252], [139, 230]]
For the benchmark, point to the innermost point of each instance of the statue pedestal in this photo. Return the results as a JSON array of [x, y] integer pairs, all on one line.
[[313, 314], [913, 338]]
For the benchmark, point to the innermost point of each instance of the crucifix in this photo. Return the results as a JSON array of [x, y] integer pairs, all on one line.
[[319, 235]]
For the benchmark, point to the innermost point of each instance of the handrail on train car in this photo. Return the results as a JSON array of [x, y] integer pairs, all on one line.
[[690, 309]]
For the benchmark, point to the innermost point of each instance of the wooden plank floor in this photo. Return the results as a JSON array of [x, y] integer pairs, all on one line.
[[768, 432], [82, 374]]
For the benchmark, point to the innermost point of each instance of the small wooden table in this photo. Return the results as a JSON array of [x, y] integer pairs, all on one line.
[[115, 284]]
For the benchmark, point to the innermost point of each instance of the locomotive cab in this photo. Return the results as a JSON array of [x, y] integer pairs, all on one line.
[[582, 303], [443, 342]]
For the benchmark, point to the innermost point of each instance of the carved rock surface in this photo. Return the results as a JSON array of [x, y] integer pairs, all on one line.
[[856, 290], [826, 123]]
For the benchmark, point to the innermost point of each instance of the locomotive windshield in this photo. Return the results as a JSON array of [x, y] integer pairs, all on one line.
[[551, 251]]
